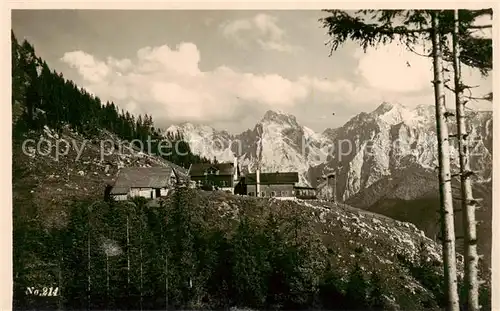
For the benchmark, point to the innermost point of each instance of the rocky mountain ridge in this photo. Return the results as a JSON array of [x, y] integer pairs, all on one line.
[[277, 141], [364, 150]]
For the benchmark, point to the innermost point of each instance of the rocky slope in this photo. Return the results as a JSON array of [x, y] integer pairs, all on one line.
[[348, 236], [413, 195], [53, 170], [391, 138]]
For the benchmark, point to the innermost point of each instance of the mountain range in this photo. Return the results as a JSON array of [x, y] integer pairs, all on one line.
[[385, 160], [366, 149]]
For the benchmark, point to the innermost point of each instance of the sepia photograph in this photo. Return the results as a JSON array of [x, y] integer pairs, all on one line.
[[252, 159]]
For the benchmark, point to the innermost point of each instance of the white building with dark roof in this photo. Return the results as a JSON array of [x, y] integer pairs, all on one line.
[[147, 182], [223, 176]]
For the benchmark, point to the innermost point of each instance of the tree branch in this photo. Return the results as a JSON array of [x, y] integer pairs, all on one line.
[[480, 26], [415, 52], [342, 27], [485, 97]]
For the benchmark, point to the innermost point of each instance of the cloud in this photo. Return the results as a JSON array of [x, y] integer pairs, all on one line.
[[168, 83], [399, 73], [89, 68], [121, 64], [392, 68], [184, 61], [483, 20], [262, 30], [393, 74]]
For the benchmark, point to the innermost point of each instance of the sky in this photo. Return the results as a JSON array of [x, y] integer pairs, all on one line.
[[227, 68]]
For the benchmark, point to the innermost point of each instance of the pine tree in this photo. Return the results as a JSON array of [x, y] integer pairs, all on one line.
[[446, 211], [468, 205], [17, 70], [248, 266], [34, 86], [180, 244], [415, 26], [331, 290], [376, 292], [357, 290]]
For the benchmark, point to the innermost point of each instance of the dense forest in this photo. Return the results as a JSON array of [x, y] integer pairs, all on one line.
[[49, 99], [135, 257]]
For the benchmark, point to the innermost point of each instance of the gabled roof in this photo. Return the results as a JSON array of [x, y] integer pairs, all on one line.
[[304, 188], [143, 177], [181, 172], [199, 169], [273, 178]]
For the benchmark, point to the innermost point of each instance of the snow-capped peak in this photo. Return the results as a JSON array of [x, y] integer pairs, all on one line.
[[278, 116], [279, 143], [395, 113], [205, 141], [187, 127], [173, 130], [382, 108]]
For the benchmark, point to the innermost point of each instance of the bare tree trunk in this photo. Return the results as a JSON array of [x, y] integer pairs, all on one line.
[[468, 208], [59, 279], [128, 255], [88, 265], [140, 265], [165, 253], [107, 281], [166, 281], [335, 188], [107, 276], [446, 203]]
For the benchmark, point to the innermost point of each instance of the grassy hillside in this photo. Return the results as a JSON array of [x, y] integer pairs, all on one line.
[[58, 131], [52, 177]]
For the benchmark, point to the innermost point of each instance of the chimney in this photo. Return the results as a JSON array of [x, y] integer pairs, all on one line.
[[235, 176], [332, 184], [257, 176]]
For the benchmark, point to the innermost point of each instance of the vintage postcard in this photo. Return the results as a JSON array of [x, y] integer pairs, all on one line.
[[321, 157]]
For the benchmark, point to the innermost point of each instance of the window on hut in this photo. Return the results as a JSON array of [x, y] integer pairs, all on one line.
[[212, 172]]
